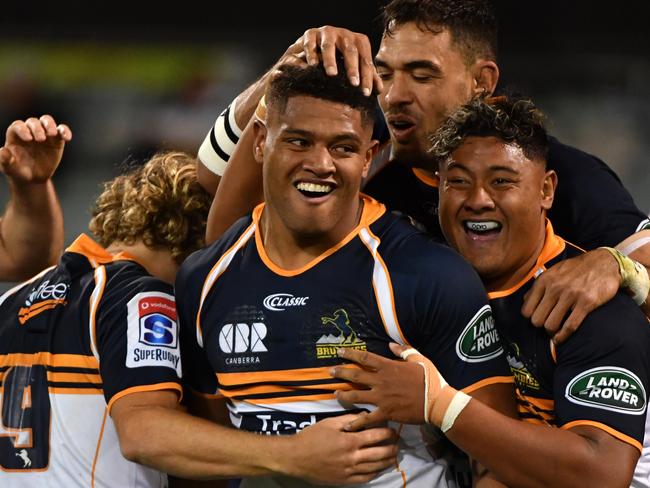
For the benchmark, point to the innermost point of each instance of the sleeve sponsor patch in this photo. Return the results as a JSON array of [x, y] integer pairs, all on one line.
[[152, 333], [479, 340], [609, 388]]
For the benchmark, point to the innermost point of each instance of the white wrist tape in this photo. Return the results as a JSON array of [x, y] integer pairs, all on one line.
[[219, 144], [458, 403], [634, 276]]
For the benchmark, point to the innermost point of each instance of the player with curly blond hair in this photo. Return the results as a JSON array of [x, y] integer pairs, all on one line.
[[90, 365]]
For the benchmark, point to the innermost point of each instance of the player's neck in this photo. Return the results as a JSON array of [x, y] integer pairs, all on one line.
[[291, 250], [512, 278], [158, 262]]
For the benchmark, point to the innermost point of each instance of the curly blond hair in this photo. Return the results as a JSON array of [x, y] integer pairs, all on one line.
[[160, 204]]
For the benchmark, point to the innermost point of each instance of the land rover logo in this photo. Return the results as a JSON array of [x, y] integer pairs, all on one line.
[[480, 339], [610, 388]]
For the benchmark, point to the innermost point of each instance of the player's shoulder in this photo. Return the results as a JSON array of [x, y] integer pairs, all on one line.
[[126, 279], [572, 163], [619, 326], [201, 261], [404, 244]]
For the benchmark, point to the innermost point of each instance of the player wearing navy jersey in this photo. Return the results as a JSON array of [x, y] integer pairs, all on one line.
[[495, 192], [81, 336], [434, 56], [317, 268]]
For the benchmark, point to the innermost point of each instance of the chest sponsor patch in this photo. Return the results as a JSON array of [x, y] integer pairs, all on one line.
[[609, 388], [479, 341], [152, 334]]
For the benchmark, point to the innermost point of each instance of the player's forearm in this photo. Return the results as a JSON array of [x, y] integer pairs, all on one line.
[[637, 247], [31, 230], [240, 189], [190, 447], [527, 455], [248, 99]]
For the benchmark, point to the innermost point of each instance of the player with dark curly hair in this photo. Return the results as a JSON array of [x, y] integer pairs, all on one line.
[[495, 192]]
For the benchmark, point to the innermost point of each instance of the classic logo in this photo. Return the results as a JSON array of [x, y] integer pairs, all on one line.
[[152, 334], [610, 388], [44, 297], [479, 341], [278, 302], [328, 344]]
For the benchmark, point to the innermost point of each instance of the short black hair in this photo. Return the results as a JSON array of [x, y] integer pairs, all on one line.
[[313, 81], [472, 23], [513, 119]]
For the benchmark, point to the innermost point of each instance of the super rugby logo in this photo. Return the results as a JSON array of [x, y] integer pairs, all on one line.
[[157, 322], [152, 334], [608, 388], [479, 341], [278, 302]]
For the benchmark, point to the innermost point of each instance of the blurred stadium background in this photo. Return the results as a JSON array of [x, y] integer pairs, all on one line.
[[132, 78]]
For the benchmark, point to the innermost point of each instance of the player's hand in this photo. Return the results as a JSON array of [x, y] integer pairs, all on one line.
[[33, 149], [327, 454], [320, 45], [574, 287], [394, 386]]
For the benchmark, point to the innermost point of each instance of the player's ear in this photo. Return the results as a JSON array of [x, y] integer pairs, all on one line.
[[486, 76], [260, 132], [548, 189], [371, 152]]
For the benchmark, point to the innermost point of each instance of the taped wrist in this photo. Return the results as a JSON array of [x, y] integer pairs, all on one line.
[[219, 144], [442, 403], [634, 276]]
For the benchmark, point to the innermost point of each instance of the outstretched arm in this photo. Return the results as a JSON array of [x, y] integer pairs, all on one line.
[[31, 229], [196, 448], [516, 452]]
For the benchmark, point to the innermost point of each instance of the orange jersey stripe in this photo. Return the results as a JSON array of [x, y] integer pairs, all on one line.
[[486, 382], [619, 435], [24, 314], [49, 359], [278, 376], [266, 389], [75, 391], [73, 377]]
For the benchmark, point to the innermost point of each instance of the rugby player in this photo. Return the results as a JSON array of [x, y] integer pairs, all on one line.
[[90, 359], [495, 193], [319, 267]]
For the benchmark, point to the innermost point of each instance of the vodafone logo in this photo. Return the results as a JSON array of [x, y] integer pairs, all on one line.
[[278, 302]]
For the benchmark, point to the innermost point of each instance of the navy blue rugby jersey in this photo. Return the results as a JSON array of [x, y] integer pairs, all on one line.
[[591, 209], [598, 377], [265, 337], [73, 340]]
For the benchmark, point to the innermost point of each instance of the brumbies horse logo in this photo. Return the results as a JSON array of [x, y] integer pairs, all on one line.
[[328, 344]]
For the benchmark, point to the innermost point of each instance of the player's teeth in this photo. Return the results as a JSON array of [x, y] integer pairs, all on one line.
[[482, 226], [313, 187]]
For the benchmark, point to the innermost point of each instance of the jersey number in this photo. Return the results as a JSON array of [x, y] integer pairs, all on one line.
[[24, 419]]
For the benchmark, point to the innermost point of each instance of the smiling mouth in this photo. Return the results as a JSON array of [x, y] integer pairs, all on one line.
[[314, 190], [482, 227]]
